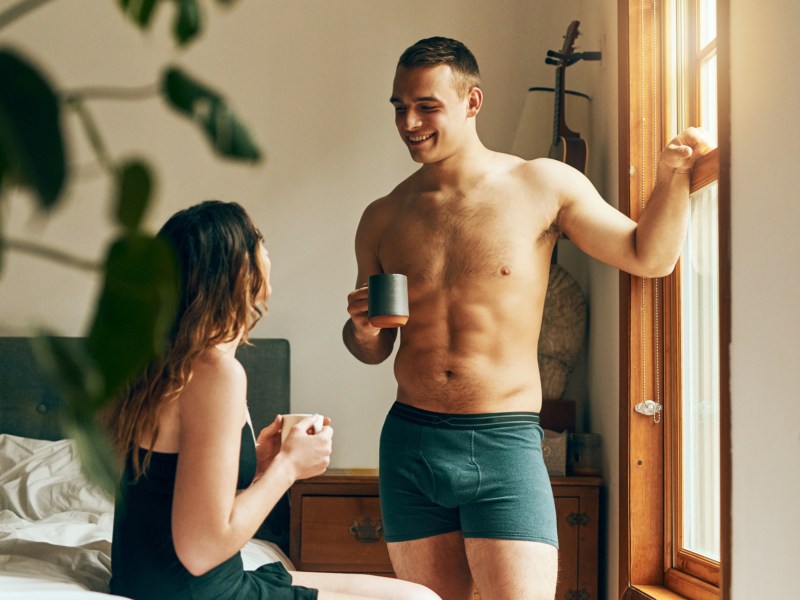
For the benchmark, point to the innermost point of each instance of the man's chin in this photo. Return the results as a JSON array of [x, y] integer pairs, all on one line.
[[419, 157]]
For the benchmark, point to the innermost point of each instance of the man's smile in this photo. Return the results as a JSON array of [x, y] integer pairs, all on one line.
[[419, 138]]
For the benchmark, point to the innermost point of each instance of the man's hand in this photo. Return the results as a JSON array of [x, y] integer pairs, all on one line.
[[685, 149], [369, 344], [358, 309]]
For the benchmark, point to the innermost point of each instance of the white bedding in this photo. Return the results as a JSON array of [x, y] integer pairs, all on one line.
[[55, 526]]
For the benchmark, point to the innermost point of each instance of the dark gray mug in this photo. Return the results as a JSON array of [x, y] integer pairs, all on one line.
[[388, 300]]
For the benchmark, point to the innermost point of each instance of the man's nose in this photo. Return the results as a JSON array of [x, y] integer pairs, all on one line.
[[411, 120]]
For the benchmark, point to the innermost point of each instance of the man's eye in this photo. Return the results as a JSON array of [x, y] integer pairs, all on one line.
[[428, 108], [399, 109]]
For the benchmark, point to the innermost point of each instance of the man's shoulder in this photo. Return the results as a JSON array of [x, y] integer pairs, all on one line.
[[543, 174], [536, 167], [395, 197]]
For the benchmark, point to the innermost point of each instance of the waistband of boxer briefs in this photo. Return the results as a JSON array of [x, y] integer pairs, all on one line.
[[463, 421]]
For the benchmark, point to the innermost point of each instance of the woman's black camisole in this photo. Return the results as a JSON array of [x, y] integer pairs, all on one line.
[[143, 560]]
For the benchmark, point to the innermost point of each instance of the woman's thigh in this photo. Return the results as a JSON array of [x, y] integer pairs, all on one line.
[[343, 586]]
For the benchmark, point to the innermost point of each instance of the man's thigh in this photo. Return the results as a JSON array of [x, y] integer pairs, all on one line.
[[513, 569], [438, 562]]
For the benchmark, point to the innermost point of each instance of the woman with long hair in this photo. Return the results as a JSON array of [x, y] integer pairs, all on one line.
[[197, 484]]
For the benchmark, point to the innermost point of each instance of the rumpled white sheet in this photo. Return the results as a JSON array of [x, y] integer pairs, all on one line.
[[55, 526]]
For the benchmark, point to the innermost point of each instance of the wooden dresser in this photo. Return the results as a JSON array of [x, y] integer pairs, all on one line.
[[336, 526]]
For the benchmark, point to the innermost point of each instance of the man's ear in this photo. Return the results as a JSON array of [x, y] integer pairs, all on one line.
[[474, 101]]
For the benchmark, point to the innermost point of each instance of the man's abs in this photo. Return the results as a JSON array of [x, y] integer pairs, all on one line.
[[471, 352], [468, 386]]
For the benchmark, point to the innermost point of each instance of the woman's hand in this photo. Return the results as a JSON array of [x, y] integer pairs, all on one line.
[[309, 453], [268, 444]]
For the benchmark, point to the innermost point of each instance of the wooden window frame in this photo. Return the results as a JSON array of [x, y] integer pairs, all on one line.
[[646, 521]]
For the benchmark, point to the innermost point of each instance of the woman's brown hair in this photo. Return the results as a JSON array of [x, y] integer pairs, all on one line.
[[218, 251]]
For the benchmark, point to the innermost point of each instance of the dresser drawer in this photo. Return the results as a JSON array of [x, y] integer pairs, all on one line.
[[342, 533]]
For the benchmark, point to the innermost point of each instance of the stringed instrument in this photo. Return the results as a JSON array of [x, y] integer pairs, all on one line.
[[567, 145]]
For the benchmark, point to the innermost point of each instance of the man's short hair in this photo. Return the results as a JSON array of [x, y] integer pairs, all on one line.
[[445, 51]]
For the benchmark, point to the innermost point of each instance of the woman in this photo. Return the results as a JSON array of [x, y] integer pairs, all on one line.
[[197, 484]]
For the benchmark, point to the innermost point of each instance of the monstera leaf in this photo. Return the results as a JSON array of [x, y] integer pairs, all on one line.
[[228, 136], [139, 11], [31, 142], [187, 23], [134, 186], [188, 18], [136, 308]]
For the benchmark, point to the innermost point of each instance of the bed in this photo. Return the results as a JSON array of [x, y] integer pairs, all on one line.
[[55, 526]]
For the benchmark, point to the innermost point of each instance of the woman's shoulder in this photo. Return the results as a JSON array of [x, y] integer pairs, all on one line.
[[214, 363], [217, 376]]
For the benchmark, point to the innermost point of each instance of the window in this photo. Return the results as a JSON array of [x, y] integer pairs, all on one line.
[[675, 464]]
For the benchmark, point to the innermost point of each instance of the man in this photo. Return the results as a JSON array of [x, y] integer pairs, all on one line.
[[464, 489]]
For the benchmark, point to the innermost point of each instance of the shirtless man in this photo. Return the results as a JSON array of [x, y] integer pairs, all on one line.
[[465, 494]]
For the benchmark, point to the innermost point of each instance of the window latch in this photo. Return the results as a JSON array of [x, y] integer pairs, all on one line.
[[650, 408]]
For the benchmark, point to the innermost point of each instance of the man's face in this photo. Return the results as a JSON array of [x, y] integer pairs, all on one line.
[[429, 114]]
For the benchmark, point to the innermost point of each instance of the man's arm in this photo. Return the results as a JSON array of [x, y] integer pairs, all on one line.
[[370, 347], [651, 247], [368, 344]]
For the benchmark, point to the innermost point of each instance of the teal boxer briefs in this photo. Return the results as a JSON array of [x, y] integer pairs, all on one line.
[[481, 474]]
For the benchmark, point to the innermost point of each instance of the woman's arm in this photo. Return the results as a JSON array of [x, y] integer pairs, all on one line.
[[210, 520]]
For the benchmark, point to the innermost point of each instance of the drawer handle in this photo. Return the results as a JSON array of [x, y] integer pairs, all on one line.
[[578, 519], [367, 531]]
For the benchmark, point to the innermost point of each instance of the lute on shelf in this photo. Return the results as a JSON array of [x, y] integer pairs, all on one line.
[[567, 146]]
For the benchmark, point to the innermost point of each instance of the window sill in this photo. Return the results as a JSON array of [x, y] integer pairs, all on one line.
[[658, 592], [650, 592]]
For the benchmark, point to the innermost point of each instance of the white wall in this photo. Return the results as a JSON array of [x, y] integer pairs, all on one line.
[[765, 352], [312, 79]]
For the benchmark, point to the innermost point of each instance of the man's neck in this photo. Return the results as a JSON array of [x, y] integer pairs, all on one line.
[[452, 172]]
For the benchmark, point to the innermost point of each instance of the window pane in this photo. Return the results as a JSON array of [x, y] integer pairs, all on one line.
[[708, 95], [708, 21], [700, 373]]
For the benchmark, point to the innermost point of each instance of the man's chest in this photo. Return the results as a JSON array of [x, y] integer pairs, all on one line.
[[482, 240]]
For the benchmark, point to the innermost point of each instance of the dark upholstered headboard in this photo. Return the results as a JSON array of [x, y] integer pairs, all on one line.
[[29, 405]]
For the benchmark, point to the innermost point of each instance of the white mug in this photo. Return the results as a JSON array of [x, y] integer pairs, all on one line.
[[291, 420]]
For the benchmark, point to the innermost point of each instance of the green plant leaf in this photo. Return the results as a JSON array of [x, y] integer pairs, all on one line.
[[228, 136], [134, 188], [31, 141], [72, 370], [139, 11], [187, 22], [94, 449], [136, 308], [81, 387]]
